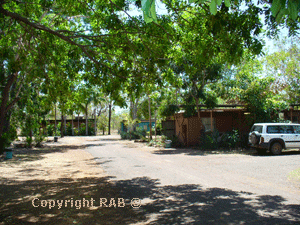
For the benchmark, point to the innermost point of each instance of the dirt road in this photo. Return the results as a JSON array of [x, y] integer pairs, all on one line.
[[185, 185], [105, 180]]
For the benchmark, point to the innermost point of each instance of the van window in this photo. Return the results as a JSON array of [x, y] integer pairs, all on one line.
[[297, 129], [273, 130], [257, 128], [280, 130]]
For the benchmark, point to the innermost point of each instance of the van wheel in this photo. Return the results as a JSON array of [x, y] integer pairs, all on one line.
[[276, 148]]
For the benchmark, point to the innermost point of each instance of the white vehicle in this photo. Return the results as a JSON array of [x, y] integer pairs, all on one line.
[[274, 137]]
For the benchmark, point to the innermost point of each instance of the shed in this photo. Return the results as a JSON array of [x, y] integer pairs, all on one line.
[[189, 130]]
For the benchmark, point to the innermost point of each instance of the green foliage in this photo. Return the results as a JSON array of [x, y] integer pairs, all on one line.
[[281, 8], [39, 138], [139, 133], [166, 110], [175, 142], [82, 129], [213, 140], [244, 85], [230, 139], [163, 138], [51, 129], [69, 129], [120, 52], [209, 140], [149, 12], [7, 138], [29, 141], [284, 66]]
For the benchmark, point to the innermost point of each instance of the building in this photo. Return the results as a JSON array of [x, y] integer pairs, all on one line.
[[189, 130], [144, 124]]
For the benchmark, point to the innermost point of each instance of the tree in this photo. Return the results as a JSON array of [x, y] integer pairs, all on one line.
[[276, 12], [284, 66], [245, 85], [206, 44], [95, 32]]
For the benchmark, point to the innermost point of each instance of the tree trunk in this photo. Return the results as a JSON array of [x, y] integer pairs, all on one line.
[[95, 126], [65, 124], [62, 126], [86, 121], [6, 127], [72, 125], [109, 118], [55, 125], [31, 138], [134, 112], [150, 125], [78, 123], [211, 120], [5, 106], [155, 126]]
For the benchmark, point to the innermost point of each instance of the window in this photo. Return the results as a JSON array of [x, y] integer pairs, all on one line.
[[280, 130], [207, 123], [297, 129], [273, 129], [257, 128], [289, 130]]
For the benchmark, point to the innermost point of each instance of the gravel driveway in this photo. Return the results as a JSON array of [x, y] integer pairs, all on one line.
[[178, 186]]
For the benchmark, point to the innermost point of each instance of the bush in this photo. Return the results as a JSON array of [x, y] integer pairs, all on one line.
[[209, 140], [82, 130], [230, 139], [39, 138], [7, 138], [51, 129], [175, 142], [29, 142], [69, 129], [137, 134]]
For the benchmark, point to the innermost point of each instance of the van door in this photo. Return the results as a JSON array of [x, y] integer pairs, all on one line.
[[297, 136], [283, 132]]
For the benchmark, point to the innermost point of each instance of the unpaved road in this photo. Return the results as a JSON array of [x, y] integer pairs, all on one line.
[[182, 187]]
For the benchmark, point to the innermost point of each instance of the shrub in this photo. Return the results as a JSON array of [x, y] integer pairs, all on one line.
[[175, 142], [137, 134], [82, 130], [209, 140], [29, 142], [51, 129], [69, 129], [39, 139], [230, 139], [7, 138]]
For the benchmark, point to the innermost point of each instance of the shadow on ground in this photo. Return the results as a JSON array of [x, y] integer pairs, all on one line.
[[194, 151], [181, 204], [32, 154]]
